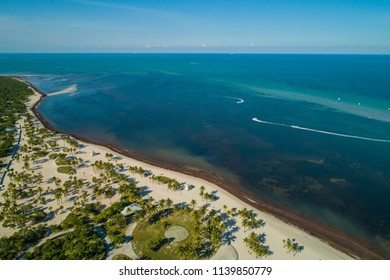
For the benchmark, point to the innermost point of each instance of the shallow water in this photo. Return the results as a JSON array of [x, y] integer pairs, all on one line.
[[328, 156]]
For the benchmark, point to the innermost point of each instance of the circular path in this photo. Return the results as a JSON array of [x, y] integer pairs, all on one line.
[[226, 252], [178, 233]]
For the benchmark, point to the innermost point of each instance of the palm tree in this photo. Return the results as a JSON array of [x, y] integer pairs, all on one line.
[[58, 195], [57, 181], [109, 193], [96, 192], [169, 203], [212, 213], [202, 211], [151, 200], [78, 183], [43, 200], [152, 208], [201, 193], [17, 157], [39, 190], [291, 245], [245, 224], [193, 204], [182, 252], [225, 207], [216, 238], [26, 165], [109, 156], [123, 189], [195, 215], [95, 180], [38, 179], [161, 204], [53, 144]]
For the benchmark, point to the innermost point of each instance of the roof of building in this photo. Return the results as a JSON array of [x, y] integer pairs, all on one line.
[[131, 209]]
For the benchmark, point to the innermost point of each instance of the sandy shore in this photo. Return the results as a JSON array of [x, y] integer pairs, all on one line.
[[275, 229]]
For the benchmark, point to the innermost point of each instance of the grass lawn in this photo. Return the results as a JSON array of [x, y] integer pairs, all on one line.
[[66, 170], [154, 227]]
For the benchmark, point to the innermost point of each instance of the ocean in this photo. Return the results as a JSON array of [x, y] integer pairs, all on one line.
[[308, 132]]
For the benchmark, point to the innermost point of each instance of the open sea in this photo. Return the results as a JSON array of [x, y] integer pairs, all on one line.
[[309, 132]]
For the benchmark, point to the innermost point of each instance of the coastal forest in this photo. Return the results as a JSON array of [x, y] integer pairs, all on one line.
[[13, 95]]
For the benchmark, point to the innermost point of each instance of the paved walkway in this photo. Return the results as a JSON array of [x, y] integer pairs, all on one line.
[[106, 240], [226, 252], [126, 248], [15, 150]]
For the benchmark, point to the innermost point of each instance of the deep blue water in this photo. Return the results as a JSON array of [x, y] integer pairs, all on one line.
[[197, 110]]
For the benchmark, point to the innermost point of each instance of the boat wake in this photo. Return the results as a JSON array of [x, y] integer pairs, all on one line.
[[357, 108], [70, 89], [239, 100], [322, 131]]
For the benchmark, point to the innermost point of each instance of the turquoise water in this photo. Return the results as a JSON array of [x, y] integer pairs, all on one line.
[[311, 132]]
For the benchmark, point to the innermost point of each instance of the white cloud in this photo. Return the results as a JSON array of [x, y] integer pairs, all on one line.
[[125, 7], [112, 5]]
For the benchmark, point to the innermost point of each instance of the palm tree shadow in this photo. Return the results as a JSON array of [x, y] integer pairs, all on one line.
[[128, 239], [214, 196], [161, 214], [228, 236], [262, 238], [145, 191], [49, 217]]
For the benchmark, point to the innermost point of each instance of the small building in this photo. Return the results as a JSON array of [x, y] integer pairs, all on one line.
[[131, 209], [10, 129], [187, 186]]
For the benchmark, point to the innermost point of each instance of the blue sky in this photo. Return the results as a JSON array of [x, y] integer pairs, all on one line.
[[271, 26]]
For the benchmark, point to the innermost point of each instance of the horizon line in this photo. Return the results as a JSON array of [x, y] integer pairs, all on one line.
[[208, 53]]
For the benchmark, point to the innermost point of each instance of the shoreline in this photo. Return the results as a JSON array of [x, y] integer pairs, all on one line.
[[334, 238]]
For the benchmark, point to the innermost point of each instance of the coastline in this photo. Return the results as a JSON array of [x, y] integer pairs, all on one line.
[[334, 238]]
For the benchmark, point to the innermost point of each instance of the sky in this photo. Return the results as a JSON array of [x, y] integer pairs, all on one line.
[[222, 26]]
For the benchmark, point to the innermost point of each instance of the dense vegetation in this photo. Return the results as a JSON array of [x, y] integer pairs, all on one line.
[[11, 246], [13, 95], [79, 244]]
